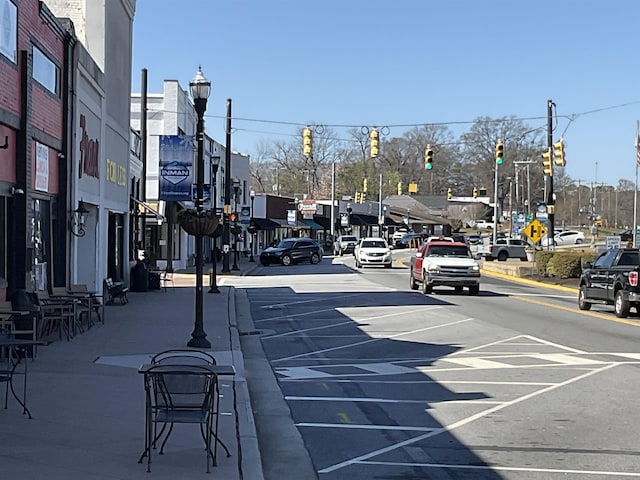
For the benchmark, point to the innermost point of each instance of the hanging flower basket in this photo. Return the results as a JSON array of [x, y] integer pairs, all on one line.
[[198, 224]]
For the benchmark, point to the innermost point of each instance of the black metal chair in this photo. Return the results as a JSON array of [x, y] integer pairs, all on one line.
[[180, 393]]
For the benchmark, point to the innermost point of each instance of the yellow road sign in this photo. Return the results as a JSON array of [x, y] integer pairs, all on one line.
[[535, 230]]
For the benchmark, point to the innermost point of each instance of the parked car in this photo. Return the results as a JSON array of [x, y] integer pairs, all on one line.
[[292, 250], [483, 224], [505, 248], [411, 240], [474, 239], [626, 235], [567, 237], [373, 251], [344, 244], [398, 234]]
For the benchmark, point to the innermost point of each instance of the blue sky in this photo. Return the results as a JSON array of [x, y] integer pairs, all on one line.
[[406, 62]]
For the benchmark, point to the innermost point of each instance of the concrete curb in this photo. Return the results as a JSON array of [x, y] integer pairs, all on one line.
[[249, 461], [526, 281], [284, 454]]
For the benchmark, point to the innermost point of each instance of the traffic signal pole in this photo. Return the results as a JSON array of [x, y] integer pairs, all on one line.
[[550, 201]]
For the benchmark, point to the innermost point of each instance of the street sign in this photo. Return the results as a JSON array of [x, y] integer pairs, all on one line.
[[613, 241], [535, 231]]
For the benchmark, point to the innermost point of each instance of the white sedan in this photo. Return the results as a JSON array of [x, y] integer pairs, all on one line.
[[373, 251], [567, 237]]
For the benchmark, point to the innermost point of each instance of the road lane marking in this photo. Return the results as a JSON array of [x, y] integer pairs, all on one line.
[[386, 400], [364, 342], [497, 468], [462, 422], [609, 318], [350, 322], [323, 299], [365, 427]]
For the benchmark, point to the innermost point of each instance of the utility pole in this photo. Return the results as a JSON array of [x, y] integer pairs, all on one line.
[[226, 237], [549, 178]]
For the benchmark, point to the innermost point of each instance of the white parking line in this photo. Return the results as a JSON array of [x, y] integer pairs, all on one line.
[[365, 427], [496, 468], [356, 344], [461, 422]]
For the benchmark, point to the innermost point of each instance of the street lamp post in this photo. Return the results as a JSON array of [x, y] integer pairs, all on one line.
[[213, 287], [200, 88], [236, 192], [252, 227]]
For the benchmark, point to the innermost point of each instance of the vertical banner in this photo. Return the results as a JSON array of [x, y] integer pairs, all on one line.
[[176, 167], [42, 168]]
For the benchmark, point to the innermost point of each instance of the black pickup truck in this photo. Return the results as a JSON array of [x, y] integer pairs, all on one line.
[[612, 279]]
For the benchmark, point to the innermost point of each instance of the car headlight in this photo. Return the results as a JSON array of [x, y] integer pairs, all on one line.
[[475, 268], [433, 269]]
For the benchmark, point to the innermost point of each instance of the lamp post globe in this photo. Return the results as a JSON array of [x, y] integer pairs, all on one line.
[[200, 89]]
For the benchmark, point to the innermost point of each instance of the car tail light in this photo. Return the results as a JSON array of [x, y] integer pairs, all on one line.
[[490, 248], [633, 279]]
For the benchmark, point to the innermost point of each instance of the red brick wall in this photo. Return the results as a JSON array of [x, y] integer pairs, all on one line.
[[46, 109]]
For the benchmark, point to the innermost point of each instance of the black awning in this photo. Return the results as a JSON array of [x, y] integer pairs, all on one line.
[[312, 224], [392, 223], [363, 219], [324, 221], [264, 224]]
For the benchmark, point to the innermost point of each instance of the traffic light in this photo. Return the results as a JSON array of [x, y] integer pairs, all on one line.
[[449, 194], [475, 192], [399, 188], [374, 140], [499, 152], [558, 153], [428, 158], [547, 164], [364, 185], [363, 197], [232, 217], [307, 141]]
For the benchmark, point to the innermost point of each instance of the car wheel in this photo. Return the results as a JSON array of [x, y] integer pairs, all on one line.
[[340, 252], [474, 289], [315, 259], [582, 302], [286, 260], [621, 306], [502, 256], [388, 265], [426, 288], [458, 288], [413, 285], [264, 264], [578, 241]]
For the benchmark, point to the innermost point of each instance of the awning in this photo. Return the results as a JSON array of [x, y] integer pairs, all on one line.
[[323, 221], [149, 209], [264, 224], [362, 219], [312, 225], [282, 223]]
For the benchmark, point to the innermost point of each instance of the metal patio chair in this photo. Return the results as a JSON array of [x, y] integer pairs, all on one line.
[[185, 393]]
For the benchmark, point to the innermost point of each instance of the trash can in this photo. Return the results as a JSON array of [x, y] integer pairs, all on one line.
[[154, 281], [139, 277]]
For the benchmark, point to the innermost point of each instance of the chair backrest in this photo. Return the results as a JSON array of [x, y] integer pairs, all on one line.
[[183, 356], [183, 388]]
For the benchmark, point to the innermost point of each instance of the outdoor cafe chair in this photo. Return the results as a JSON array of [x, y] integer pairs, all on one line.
[[184, 356], [183, 393]]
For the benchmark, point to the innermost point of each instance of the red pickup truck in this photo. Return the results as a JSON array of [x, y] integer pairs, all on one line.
[[449, 264]]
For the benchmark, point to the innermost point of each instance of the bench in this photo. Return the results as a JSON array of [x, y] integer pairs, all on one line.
[[115, 290]]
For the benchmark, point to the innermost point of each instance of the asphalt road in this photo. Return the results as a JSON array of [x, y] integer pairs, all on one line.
[[384, 382]]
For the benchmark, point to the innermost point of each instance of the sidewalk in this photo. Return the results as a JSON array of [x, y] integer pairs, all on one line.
[[87, 399]]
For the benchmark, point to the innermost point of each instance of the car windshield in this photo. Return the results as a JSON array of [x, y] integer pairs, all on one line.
[[374, 244], [446, 251], [286, 243], [349, 239]]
